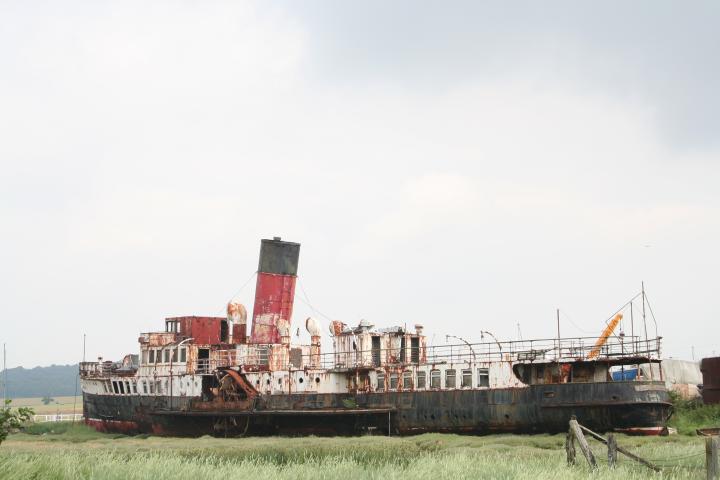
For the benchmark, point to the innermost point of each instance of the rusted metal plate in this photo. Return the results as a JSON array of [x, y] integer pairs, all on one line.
[[600, 406], [710, 368], [203, 330], [274, 295]]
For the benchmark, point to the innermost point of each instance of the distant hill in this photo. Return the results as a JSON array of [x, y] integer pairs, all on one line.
[[55, 380]]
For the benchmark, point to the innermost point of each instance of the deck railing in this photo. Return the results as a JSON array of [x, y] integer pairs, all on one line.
[[552, 349]]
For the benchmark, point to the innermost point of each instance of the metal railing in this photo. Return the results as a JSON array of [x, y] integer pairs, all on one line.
[[564, 349], [552, 349]]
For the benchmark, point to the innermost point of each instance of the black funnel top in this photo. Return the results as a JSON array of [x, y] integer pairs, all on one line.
[[278, 257]]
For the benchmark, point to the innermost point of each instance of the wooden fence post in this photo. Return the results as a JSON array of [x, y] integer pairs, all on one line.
[[711, 457], [612, 450], [570, 447], [578, 434]]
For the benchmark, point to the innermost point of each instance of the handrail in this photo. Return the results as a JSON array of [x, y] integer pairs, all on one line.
[[547, 350]]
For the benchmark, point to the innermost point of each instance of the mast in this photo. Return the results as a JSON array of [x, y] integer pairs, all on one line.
[[647, 341], [557, 311]]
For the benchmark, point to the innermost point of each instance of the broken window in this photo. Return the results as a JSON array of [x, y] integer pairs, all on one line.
[[152, 356], [450, 379], [435, 379], [393, 381], [122, 387], [420, 380], [407, 380], [380, 382], [115, 387], [174, 355], [183, 357], [483, 377], [467, 378]]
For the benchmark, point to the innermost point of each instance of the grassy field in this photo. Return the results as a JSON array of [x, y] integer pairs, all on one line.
[[58, 405], [70, 451], [64, 451]]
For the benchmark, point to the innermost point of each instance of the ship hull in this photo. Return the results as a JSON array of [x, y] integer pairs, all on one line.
[[547, 408]]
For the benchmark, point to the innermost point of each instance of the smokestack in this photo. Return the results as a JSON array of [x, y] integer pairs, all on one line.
[[275, 290]]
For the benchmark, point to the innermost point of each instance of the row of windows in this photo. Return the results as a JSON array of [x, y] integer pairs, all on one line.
[[132, 387], [164, 355], [483, 379]]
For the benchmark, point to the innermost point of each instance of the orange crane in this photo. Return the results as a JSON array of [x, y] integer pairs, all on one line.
[[604, 336]]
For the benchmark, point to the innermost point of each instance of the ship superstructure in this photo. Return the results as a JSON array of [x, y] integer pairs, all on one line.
[[205, 375]]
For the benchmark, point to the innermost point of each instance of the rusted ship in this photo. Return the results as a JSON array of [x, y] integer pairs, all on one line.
[[205, 375]]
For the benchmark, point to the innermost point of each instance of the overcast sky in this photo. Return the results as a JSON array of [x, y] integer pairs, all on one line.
[[463, 165]]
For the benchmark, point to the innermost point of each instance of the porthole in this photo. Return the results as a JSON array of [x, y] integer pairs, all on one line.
[[257, 382], [268, 381], [301, 380], [317, 379], [279, 381]]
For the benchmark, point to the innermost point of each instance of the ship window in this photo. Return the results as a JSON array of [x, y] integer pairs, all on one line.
[[152, 387], [467, 378], [158, 387], [415, 349], [144, 360], [144, 386], [122, 387], [152, 356], [450, 379], [435, 379], [174, 353], [483, 377], [134, 387], [380, 382], [183, 357], [393, 381], [115, 387], [127, 388], [407, 380], [420, 380], [167, 356]]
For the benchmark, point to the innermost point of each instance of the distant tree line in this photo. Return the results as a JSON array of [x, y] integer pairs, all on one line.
[[52, 381]]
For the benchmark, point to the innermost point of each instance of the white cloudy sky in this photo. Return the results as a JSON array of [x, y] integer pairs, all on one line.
[[464, 165]]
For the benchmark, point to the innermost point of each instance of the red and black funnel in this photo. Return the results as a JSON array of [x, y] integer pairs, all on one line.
[[275, 290]]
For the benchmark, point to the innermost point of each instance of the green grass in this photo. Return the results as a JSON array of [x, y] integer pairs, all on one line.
[[68, 451], [689, 415]]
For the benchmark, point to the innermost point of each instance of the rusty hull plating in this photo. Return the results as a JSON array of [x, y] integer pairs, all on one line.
[[204, 375]]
